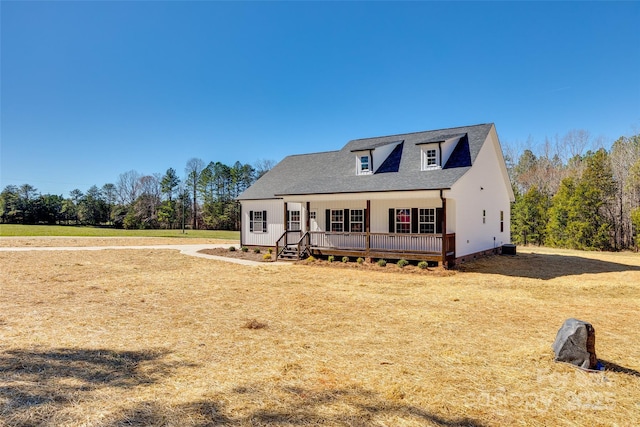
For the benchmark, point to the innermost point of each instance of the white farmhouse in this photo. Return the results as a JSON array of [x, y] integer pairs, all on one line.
[[441, 195]]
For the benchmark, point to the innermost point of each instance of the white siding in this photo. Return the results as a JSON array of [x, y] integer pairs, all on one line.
[[321, 207], [380, 210], [481, 189], [275, 222], [380, 154], [447, 149]]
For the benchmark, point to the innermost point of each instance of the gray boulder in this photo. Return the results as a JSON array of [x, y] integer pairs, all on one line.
[[576, 344]]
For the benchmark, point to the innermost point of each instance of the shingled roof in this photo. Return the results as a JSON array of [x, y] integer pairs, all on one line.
[[334, 171]]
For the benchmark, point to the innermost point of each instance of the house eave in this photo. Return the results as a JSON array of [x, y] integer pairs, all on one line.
[[366, 195]]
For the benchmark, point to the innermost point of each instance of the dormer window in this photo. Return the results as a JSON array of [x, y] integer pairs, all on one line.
[[430, 158], [364, 165]]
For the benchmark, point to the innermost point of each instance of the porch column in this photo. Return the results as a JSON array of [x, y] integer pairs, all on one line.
[[444, 230], [367, 228], [285, 221], [241, 223]]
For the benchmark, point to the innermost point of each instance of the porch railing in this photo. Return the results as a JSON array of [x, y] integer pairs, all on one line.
[[323, 239], [289, 237], [381, 242]]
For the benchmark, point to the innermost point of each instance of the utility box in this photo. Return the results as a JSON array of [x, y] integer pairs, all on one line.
[[508, 249]]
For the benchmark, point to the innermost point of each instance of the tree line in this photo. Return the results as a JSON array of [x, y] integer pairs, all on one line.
[[566, 195], [204, 199], [571, 197]]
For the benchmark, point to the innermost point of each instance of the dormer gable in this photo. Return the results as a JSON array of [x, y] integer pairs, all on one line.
[[369, 160], [435, 153]]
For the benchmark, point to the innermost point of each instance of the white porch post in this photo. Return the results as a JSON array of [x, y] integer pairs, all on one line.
[[444, 230]]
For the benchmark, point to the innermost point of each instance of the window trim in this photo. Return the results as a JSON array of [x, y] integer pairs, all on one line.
[[425, 158], [256, 225], [359, 163], [422, 213], [359, 219], [337, 213], [404, 224], [291, 222]]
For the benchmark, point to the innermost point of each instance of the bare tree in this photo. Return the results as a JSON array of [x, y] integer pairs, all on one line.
[[263, 166], [576, 142], [128, 187]]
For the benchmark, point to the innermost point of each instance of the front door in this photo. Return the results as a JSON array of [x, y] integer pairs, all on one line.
[[313, 221]]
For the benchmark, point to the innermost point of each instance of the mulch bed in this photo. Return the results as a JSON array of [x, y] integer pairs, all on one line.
[[251, 255]]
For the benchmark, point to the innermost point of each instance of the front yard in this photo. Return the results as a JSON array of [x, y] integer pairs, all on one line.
[[152, 337]]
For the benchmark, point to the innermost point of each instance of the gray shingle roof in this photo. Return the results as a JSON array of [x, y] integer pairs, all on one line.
[[334, 171]]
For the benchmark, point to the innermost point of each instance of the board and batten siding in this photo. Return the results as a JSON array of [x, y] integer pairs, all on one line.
[[275, 222], [481, 191], [379, 214], [321, 207], [380, 210]]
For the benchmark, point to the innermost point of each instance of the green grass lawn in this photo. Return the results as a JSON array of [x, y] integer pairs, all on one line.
[[63, 230]]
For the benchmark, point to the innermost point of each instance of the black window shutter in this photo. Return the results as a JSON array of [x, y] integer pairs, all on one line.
[[327, 217], [346, 220], [439, 218], [251, 221], [392, 220], [414, 220], [264, 221]]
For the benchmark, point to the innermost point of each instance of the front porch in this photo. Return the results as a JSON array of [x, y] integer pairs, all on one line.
[[295, 244]]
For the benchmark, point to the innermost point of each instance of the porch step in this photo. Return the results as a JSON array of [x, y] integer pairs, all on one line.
[[289, 254]]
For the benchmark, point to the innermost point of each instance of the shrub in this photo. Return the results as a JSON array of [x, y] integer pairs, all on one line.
[[360, 260], [244, 249], [266, 257], [256, 250], [310, 259], [403, 263], [331, 258], [423, 265], [345, 259], [254, 324], [270, 250], [232, 248], [381, 262]]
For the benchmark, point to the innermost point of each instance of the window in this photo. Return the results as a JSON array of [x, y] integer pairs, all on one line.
[[403, 221], [427, 221], [337, 220], [501, 221], [294, 221], [356, 223], [312, 215], [363, 165], [484, 216], [257, 221], [430, 158]]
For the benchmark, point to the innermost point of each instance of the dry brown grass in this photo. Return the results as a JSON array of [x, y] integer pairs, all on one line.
[[60, 241], [149, 337]]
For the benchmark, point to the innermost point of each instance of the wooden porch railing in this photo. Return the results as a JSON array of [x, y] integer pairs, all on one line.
[[322, 239], [289, 237], [383, 242]]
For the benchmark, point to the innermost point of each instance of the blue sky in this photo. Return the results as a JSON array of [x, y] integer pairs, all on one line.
[[90, 90]]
